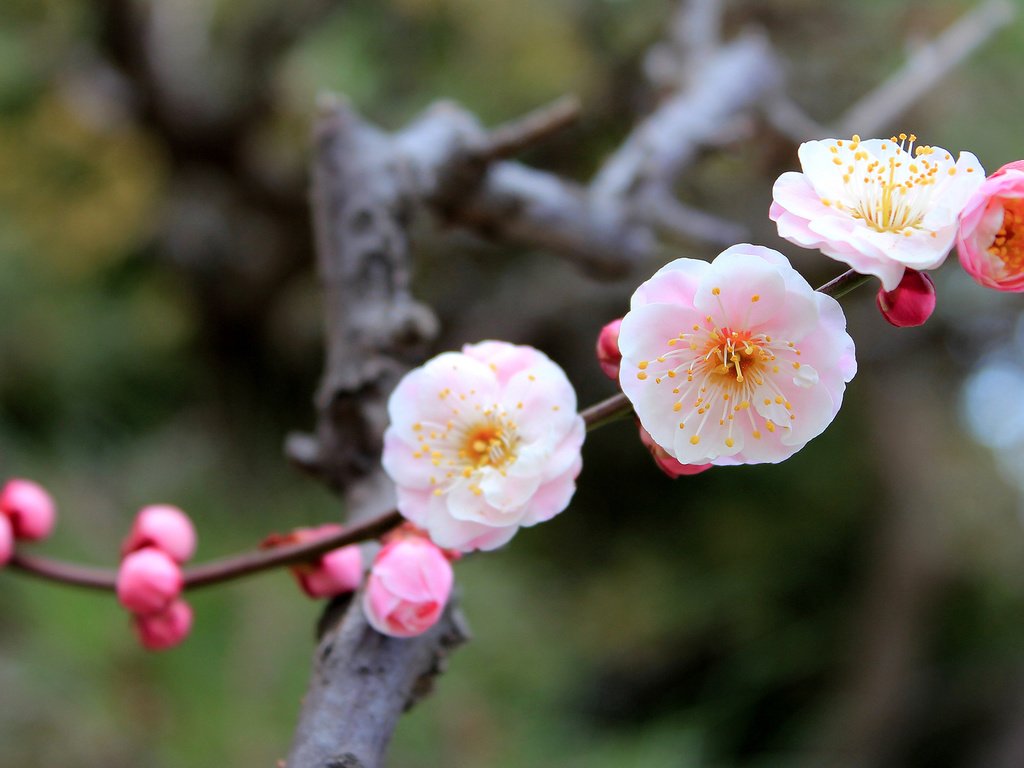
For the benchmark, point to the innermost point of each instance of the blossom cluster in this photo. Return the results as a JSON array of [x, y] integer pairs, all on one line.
[[150, 581]]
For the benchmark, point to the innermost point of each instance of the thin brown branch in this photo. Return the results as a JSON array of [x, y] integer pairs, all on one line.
[[534, 128]]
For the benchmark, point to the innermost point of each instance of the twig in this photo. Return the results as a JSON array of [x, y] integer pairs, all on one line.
[[512, 138]]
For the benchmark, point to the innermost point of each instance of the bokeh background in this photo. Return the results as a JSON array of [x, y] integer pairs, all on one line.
[[859, 605]]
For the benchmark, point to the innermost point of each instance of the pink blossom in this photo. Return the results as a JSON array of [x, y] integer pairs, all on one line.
[[734, 362], [148, 581], [30, 508], [333, 573], [879, 206], [163, 630], [6, 540], [990, 241], [608, 355], [408, 587], [165, 527], [665, 462], [911, 304], [482, 442]]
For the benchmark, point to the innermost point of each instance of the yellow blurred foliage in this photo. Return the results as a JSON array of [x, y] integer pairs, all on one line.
[[79, 197]]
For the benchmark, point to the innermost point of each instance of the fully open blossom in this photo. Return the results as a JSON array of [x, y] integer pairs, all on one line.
[[877, 205], [911, 304], [165, 527], [990, 241], [29, 507], [163, 630], [734, 362], [482, 442], [408, 587]]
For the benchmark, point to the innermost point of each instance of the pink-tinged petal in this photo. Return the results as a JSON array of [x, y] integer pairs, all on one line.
[[29, 507], [607, 349], [408, 586], [407, 464], [506, 360], [433, 392], [741, 290], [508, 494], [166, 629], [148, 581], [553, 496], [164, 527], [6, 540], [911, 304], [674, 283]]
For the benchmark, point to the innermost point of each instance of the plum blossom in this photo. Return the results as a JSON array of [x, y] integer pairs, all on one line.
[[878, 205], [738, 361], [911, 304], [990, 240], [408, 587], [482, 442]]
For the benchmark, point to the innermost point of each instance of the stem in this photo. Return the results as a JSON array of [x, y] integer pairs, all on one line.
[[842, 285]]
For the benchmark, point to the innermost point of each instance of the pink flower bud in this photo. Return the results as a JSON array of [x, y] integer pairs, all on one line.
[[160, 631], [911, 303], [6, 540], [30, 508], [148, 581], [408, 587], [165, 527], [337, 572], [608, 354], [990, 238], [666, 463]]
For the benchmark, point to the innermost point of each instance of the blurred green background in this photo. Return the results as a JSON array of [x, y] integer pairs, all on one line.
[[860, 605]]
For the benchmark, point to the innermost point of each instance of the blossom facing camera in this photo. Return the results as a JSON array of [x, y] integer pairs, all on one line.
[[164, 527], [990, 241], [148, 581], [911, 304], [29, 507], [738, 361], [408, 587], [483, 442], [880, 206], [608, 355], [166, 629]]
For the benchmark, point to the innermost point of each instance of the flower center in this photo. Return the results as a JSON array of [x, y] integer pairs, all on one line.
[[1008, 245], [489, 444], [724, 378], [893, 192], [734, 355]]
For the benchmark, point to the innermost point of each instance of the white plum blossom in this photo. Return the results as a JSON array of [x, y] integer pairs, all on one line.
[[878, 205], [737, 361], [482, 442]]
